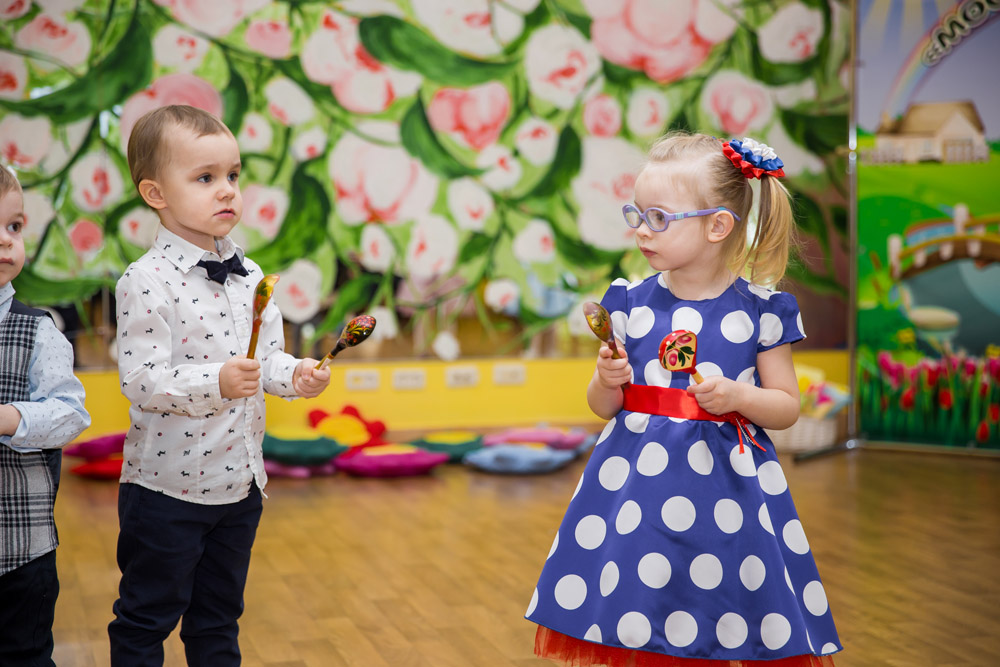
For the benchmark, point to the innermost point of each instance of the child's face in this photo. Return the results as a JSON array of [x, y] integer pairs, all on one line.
[[669, 186], [11, 241], [197, 191]]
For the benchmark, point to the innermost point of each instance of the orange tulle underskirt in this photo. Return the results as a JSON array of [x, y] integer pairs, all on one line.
[[578, 653]]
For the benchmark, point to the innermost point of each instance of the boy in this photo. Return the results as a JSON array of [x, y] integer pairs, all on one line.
[[41, 409], [190, 496]]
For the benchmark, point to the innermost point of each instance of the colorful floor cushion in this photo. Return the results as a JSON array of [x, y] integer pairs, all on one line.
[[276, 469], [519, 458], [556, 438], [97, 448], [299, 446], [345, 429], [456, 444], [106, 468], [392, 460]]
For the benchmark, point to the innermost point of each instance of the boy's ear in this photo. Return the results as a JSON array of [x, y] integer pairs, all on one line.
[[150, 192], [721, 226]]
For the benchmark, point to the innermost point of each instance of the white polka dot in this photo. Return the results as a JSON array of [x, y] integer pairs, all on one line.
[[610, 426], [636, 283], [795, 537], [634, 630], [737, 327], [656, 375], [678, 513], [652, 459], [752, 573], [747, 376], [728, 516], [770, 329], [775, 631], [619, 282], [637, 422], [609, 578], [629, 517], [788, 580], [828, 647], [640, 321], [686, 318], [571, 591], [707, 369], [579, 485], [765, 518], [555, 543], [762, 291], [663, 283], [654, 570], [810, 642], [731, 630], [619, 325], [798, 323], [706, 571], [593, 634], [613, 472], [771, 478], [742, 463], [677, 420], [532, 604], [590, 531], [814, 598], [700, 459], [681, 629]]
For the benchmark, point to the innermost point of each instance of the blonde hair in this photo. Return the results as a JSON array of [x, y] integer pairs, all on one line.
[[8, 181], [764, 259], [147, 144]]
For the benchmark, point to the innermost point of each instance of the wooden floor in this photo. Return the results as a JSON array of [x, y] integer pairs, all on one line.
[[439, 570]]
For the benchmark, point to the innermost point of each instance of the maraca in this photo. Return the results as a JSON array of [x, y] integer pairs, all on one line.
[[261, 295], [354, 332], [677, 353], [600, 323]]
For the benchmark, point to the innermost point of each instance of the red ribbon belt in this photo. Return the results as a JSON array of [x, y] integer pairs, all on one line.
[[671, 402]]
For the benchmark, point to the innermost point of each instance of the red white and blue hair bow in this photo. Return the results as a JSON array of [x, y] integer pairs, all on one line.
[[753, 158]]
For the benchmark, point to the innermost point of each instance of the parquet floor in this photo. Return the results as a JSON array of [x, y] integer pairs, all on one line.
[[437, 571]]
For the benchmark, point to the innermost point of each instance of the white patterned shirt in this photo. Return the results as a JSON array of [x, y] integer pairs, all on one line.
[[176, 328]]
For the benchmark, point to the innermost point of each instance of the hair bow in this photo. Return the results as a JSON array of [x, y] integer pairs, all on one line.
[[753, 158]]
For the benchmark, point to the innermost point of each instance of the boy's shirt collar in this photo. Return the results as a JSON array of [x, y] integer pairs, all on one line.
[[186, 255], [6, 293]]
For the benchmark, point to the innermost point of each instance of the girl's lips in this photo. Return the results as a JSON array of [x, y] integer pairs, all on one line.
[[646, 252], [6, 260]]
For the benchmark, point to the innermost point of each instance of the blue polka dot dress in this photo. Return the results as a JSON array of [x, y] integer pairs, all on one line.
[[674, 542]]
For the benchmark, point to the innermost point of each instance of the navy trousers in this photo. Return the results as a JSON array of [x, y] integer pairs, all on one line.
[[27, 609], [181, 560]]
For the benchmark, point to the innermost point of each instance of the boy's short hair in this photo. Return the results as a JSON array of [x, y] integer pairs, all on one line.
[[8, 181], [146, 146]]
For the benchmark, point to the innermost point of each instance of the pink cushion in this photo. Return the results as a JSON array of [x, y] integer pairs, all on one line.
[[97, 448], [555, 438], [389, 461]]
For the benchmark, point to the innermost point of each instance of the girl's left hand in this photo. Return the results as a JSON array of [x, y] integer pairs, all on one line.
[[719, 395], [309, 382]]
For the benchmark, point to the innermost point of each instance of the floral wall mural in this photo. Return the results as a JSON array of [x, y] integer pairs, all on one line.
[[419, 160]]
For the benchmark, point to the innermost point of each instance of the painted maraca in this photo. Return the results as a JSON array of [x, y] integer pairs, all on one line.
[[600, 323], [261, 296], [354, 332], [677, 353]]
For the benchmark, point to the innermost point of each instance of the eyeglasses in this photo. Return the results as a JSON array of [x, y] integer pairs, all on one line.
[[657, 219]]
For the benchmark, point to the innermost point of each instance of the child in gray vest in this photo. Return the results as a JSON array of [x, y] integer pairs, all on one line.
[[41, 409]]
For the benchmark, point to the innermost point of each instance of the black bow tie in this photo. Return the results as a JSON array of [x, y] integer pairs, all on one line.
[[218, 271]]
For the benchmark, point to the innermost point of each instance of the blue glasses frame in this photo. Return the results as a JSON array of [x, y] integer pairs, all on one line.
[[658, 220]]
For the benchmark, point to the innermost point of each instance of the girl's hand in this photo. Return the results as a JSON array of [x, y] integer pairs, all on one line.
[[719, 395], [309, 382], [613, 373]]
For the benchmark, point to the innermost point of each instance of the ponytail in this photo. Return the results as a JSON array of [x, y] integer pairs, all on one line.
[[767, 255]]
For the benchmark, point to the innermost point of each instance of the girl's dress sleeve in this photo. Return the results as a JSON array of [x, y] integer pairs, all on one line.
[[615, 302], [780, 322]]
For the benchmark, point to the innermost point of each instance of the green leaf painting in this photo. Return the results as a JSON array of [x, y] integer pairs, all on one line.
[[416, 158]]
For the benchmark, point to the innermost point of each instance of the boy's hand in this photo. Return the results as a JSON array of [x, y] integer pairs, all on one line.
[[613, 373], [10, 419], [719, 395], [239, 377], [309, 382]]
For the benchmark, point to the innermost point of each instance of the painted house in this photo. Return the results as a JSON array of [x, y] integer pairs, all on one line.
[[932, 131]]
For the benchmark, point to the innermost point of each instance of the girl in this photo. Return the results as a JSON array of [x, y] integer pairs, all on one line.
[[681, 545]]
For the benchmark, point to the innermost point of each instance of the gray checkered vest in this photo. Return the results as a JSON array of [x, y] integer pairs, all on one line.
[[28, 482]]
